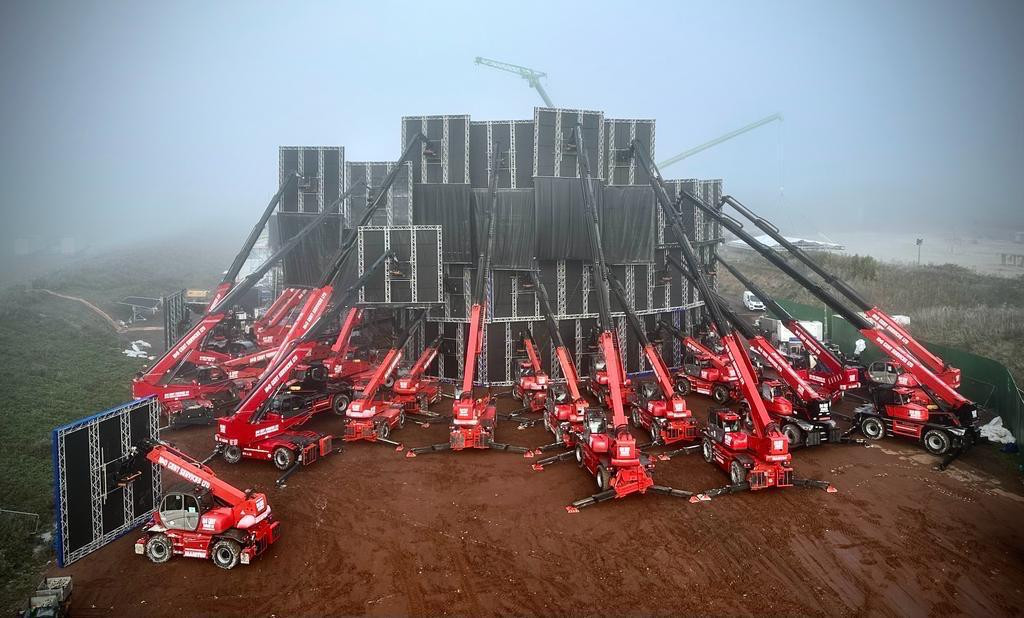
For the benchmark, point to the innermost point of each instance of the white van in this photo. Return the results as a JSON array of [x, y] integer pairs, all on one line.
[[751, 302]]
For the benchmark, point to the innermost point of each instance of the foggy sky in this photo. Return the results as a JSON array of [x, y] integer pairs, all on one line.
[[121, 119]]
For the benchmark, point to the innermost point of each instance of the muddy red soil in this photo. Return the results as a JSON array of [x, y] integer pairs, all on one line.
[[369, 531]]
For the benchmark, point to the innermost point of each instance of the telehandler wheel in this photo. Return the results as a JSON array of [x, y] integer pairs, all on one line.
[[707, 450], [401, 419], [158, 548], [389, 381], [383, 430], [720, 394], [603, 478], [793, 433], [654, 431], [937, 441], [226, 553], [636, 417], [283, 457], [558, 433], [579, 455], [872, 427], [232, 454], [737, 473], [339, 403], [683, 386]]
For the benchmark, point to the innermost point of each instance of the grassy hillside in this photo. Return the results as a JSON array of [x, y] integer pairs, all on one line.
[[947, 304], [60, 362]]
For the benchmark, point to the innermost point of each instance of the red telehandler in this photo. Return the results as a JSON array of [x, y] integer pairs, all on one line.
[[804, 413], [414, 391], [881, 320], [829, 374], [474, 419], [659, 409], [565, 407], [757, 459], [371, 417], [191, 387], [532, 385], [202, 518], [948, 430], [704, 371], [607, 450], [262, 425]]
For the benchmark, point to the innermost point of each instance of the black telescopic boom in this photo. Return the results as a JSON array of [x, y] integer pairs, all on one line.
[[545, 306], [745, 329], [773, 256], [349, 243], [414, 326], [658, 184], [253, 278], [236, 266], [634, 321], [345, 300], [768, 228], [594, 229], [491, 215]]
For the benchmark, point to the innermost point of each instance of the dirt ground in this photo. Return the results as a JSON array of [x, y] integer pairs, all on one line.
[[369, 531]]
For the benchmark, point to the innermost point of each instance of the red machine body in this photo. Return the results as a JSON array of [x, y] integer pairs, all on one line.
[[207, 518], [373, 418], [532, 386], [262, 425], [947, 430], [703, 371], [564, 407], [830, 376], [415, 391], [658, 408]]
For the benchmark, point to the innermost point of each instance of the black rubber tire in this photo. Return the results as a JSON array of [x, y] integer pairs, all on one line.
[[707, 450], [159, 548], [654, 431], [389, 381], [226, 553], [737, 473], [579, 455], [636, 417], [937, 441], [794, 433], [340, 402], [401, 419], [720, 394], [232, 454], [283, 458], [558, 433], [383, 431], [602, 478], [517, 393], [872, 427], [683, 386]]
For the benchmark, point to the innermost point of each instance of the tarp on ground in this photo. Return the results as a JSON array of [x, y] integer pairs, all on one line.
[[450, 206], [516, 234]]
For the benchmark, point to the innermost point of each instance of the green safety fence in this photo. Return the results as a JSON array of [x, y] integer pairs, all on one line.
[[985, 381]]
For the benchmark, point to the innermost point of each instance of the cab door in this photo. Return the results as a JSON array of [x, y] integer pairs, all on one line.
[[180, 511]]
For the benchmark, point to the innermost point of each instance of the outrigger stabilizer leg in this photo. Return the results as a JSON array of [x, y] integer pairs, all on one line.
[[540, 463], [430, 448]]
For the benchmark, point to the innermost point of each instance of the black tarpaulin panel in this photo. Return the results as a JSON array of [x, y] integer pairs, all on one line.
[[311, 170], [427, 267], [685, 208], [332, 172], [627, 224], [501, 299], [435, 132], [640, 286], [451, 349], [401, 284], [373, 248], [515, 240], [562, 222], [573, 288], [289, 163], [644, 135], [496, 365], [544, 148], [455, 289], [524, 154], [478, 154], [308, 261], [457, 172], [501, 139], [450, 207]]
